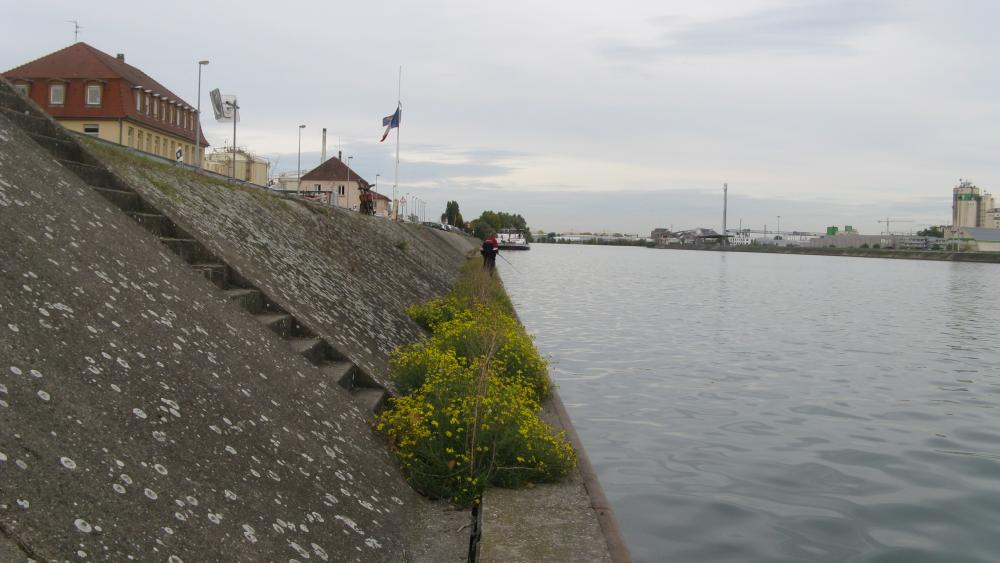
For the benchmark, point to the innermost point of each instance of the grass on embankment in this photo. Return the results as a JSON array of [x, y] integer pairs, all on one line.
[[468, 417]]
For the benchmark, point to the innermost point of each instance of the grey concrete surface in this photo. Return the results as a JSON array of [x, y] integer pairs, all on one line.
[[551, 522], [348, 277], [144, 418]]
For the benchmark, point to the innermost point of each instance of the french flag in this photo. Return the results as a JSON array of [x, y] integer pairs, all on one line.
[[391, 121]]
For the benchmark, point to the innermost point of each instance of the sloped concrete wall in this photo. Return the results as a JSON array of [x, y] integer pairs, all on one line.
[[142, 418], [348, 277]]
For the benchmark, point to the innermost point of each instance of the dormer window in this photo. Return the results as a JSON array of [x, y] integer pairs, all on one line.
[[94, 94], [57, 94]]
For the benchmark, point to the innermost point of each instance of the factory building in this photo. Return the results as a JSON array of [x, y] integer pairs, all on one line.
[[972, 207]]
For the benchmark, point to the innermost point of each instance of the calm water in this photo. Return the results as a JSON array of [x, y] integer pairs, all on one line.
[[754, 407]]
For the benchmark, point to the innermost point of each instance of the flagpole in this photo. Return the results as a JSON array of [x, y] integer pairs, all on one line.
[[399, 105]]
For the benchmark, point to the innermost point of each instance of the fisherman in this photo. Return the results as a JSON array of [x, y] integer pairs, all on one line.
[[489, 251]]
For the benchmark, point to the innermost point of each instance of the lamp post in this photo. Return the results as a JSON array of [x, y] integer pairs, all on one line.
[[348, 185], [375, 199], [236, 108], [298, 169], [197, 130]]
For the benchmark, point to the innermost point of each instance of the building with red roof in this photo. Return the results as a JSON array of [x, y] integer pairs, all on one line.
[[334, 181], [89, 91]]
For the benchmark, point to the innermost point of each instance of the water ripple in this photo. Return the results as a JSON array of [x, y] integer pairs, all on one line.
[[777, 408]]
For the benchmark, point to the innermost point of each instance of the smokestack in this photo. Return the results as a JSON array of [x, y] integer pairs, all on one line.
[[322, 158], [340, 156], [725, 208]]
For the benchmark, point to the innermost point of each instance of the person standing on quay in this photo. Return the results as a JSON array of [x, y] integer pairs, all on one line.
[[489, 251]]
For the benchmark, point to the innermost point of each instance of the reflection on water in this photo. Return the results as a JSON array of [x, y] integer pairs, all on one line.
[[756, 407]]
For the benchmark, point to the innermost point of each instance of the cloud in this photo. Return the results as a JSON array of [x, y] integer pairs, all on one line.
[[825, 27]]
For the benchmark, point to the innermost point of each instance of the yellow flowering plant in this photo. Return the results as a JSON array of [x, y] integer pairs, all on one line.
[[468, 415]]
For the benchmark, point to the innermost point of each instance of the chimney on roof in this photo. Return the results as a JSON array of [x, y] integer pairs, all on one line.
[[340, 156], [120, 57], [322, 158]]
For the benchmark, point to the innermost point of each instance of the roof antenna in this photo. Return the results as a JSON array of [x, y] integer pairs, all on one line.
[[76, 30]]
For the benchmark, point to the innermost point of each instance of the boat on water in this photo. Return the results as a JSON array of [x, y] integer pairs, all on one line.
[[512, 239]]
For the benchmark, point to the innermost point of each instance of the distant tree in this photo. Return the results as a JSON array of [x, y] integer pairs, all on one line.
[[493, 221], [935, 231], [452, 215]]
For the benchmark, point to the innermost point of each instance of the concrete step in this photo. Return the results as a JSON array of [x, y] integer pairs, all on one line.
[[61, 149], [189, 249], [250, 299], [96, 176], [213, 272], [314, 349], [341, 371], [372, 399], [281, 323], [127, 201], [155, 223], [13, 100], [27, 120]]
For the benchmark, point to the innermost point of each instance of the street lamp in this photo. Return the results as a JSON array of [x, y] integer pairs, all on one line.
[[348, 186], [197, 130], [298, 169]]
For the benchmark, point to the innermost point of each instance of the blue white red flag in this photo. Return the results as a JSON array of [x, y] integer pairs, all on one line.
[[391, 121]]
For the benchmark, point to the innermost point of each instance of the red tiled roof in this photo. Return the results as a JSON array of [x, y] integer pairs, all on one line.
[[80, 61], [334, 169]]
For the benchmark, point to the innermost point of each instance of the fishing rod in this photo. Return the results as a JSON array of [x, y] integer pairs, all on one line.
[[509, 262]]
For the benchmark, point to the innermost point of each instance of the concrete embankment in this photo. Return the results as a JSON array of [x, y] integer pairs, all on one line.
[[189, 366], [149, 413], [939, 255]]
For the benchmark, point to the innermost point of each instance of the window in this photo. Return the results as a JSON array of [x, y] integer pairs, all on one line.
[[138, 101], [91, 129], [340, 190], [149, 143], [93, 94], [156, 146], [131, 134], [57, 94], [156, 107], [317, 187], [147, 104], [21, 89]]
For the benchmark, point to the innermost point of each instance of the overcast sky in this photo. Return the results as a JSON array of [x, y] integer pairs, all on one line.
[[592, 115]]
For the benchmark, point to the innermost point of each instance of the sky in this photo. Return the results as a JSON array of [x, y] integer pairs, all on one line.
[[591, 116]]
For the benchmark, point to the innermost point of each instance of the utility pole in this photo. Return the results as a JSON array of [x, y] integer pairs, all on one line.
[[197, 129], [725, 208]]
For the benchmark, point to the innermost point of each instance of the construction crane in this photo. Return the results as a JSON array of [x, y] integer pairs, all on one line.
[[889, 221]]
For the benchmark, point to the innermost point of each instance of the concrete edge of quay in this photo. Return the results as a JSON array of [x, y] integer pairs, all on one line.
[[612, 532], [551, 508]]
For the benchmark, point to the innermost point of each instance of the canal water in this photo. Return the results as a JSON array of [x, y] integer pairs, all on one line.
[[761, 407]]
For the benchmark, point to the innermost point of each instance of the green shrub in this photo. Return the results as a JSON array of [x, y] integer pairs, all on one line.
[[410, 365], [431, 313], [468, 415], [487, 330], [466, 428]]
